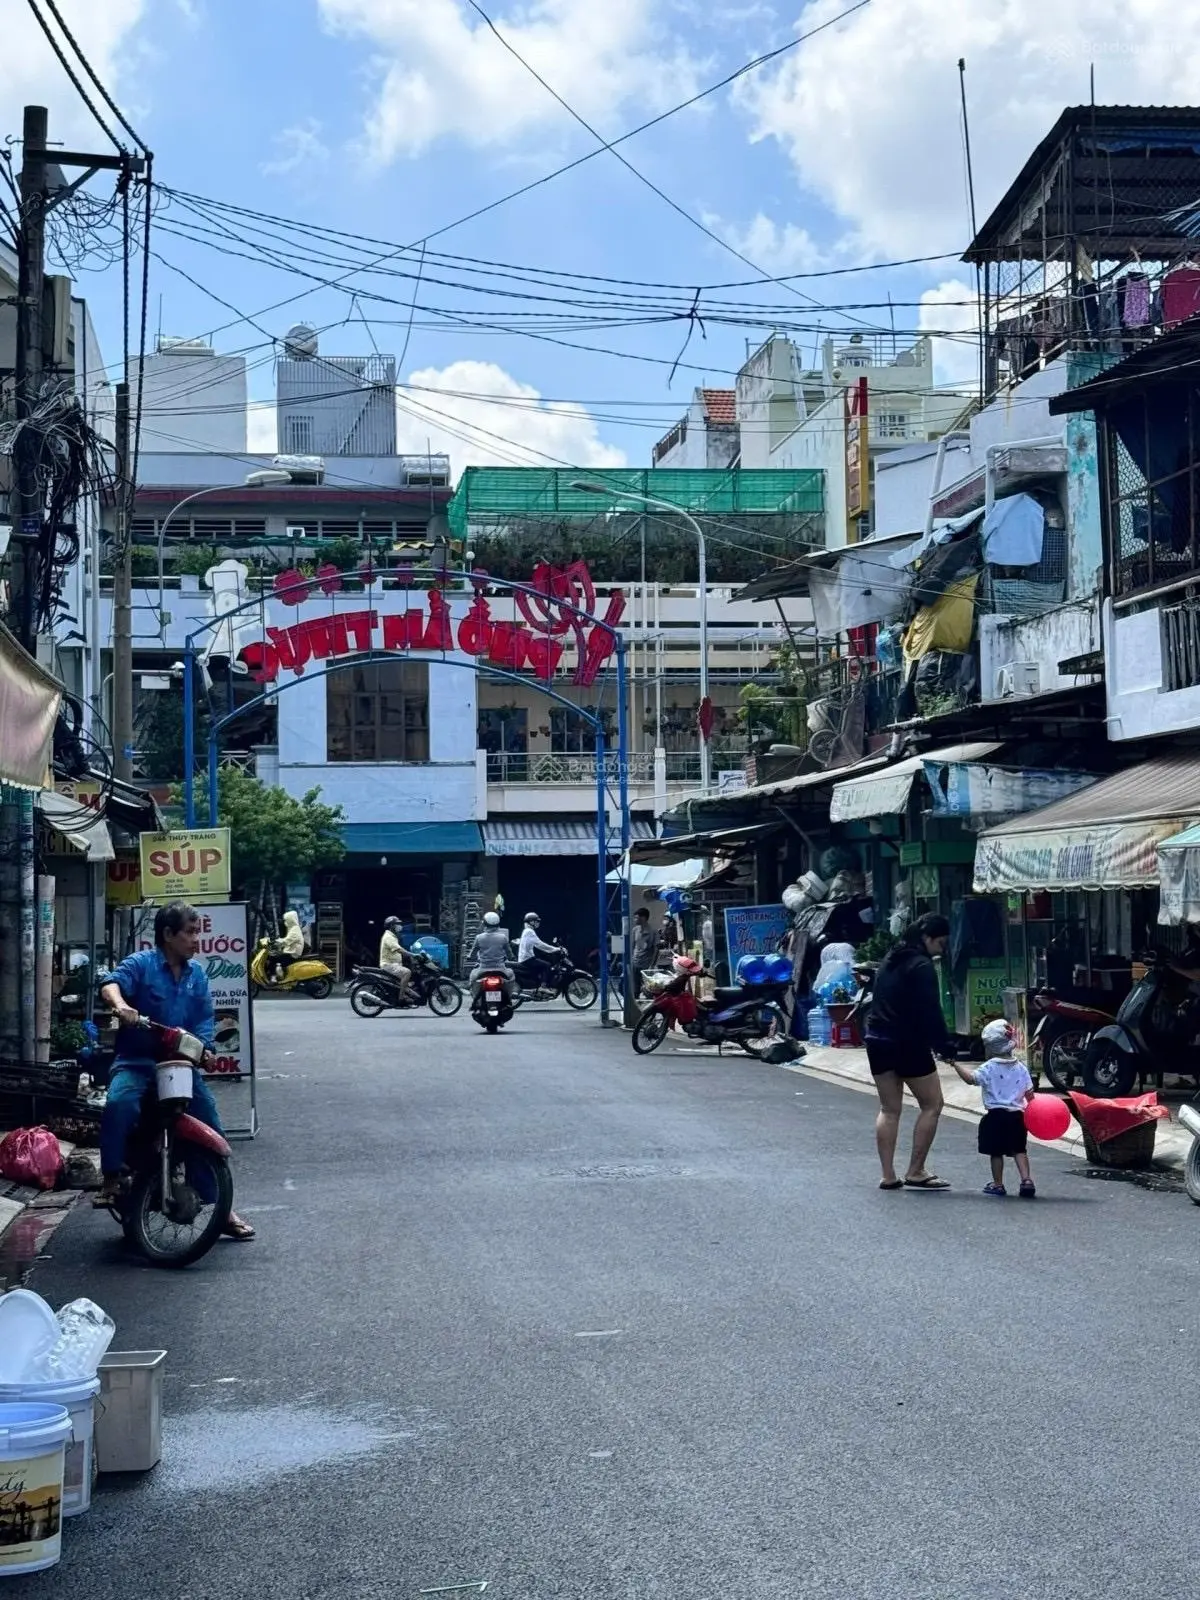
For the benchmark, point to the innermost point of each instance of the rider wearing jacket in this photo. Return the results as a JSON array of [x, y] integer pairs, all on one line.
[[490, 953]]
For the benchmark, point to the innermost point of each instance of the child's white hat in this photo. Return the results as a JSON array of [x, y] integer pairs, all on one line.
[[998, 1038]]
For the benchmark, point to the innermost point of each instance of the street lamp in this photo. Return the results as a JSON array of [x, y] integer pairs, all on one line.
[[262, 479], [588, 486]]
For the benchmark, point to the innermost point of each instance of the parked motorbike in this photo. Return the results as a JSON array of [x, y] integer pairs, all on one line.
[[1156, 1031], [565, 981], [1062, 1036], [748, 1015], [492, 1006], [309, 974], [1189, 1116], [176, 1192], [374, 990]]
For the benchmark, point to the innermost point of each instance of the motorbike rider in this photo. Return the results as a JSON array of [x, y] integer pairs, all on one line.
[[393, 958], [287, 949], [532, 969], [167, 985], [490, 953]]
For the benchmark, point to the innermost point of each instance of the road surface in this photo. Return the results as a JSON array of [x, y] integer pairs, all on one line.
[[539, 1312]]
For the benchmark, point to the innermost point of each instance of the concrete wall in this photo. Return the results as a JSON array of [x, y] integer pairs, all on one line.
[[1138, 706], [194, 400], [1070, 630]]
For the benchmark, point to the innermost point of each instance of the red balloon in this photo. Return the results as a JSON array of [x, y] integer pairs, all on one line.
[[1047, 1117]]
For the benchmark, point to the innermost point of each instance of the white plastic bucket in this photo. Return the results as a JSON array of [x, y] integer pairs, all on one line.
[[78, 1396], [174, 1082], [32, 1445]]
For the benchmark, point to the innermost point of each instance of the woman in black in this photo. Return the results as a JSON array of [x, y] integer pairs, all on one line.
[[905, 1030]]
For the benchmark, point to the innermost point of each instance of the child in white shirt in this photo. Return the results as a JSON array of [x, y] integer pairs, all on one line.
[[1007, 1087]]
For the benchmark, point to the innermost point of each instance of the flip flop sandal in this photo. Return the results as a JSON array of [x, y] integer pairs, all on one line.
[[931, 1182], [241, 1231], [896, 1183]]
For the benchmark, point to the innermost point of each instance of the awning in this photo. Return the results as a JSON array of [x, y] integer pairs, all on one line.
[[550, 836], [84, 828], [1104, 837], [1179, 878], [29, 702], [885, 794], [687, 846], [412, 838], [642, 876]]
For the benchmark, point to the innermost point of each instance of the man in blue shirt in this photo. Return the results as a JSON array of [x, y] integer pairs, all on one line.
[[170, 987]]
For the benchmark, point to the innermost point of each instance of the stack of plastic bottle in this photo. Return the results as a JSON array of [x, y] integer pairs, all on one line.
[[820, 1027]]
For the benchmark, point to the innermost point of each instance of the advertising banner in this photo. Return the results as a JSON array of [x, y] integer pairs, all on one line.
[[188, 864], [224, 957], [754, 931]]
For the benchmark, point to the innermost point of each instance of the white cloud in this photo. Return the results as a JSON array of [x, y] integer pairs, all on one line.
[[260, 428], [952, 308], [31, 75], [441, 72], [298, 146], [482, 416], [869, 111], [777, 249]]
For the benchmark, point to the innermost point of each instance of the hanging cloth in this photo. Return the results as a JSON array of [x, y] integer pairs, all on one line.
[[944, 625], [1014, 531], [1180, 295]]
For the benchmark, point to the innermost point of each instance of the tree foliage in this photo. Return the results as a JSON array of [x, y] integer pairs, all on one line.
[[275, 838]]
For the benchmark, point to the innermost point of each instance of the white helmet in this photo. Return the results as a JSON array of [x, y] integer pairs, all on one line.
[[490, 919], [532, 918]]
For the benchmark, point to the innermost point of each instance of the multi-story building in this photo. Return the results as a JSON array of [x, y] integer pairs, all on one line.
[[707, 436], [334, 405], [193, 398]]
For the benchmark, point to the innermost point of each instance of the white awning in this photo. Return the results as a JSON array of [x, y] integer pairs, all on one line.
[[550, 836], [680, 876], [885, 794], [1105, 837], [82, 827], [29, 702]]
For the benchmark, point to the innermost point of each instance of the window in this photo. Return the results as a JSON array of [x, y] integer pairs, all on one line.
[[570, 735], [891, 424], [378, 711], [298, 436]]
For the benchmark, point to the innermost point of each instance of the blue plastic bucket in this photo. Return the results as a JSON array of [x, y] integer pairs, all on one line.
[[78, 1395], [33, 1441]]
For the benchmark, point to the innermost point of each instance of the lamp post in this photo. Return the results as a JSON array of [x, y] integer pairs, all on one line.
[[262, 479], [588, 486]]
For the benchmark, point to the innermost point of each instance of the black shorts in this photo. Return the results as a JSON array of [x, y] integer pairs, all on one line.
[[905, 1060], [1003, 1133]]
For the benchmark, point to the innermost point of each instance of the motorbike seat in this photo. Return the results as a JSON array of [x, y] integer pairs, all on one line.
[[727, 995]]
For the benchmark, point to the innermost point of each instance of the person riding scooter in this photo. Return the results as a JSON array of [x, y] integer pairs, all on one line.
[[287, 949], [392, 957], [490, 953], [532, 970]]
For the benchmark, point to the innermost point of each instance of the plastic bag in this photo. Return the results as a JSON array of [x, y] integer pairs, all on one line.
[[31, 1155]]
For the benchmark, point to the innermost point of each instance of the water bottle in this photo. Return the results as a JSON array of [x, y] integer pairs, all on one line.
[[820, 1029]]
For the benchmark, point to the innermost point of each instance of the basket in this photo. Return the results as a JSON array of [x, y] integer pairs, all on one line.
[[1134, 1148]]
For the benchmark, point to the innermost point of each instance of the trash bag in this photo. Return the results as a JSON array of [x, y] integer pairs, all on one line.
[[32, 1156]]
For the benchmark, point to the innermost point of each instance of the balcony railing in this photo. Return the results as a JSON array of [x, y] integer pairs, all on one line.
[[521, 767]]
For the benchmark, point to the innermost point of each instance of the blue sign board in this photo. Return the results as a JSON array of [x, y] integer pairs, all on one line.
[[754, 931]]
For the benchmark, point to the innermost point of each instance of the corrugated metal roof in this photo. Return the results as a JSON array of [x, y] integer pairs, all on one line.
[[1157, 790], [550, 827]]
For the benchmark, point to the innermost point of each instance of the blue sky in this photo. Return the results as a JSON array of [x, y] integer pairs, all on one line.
[[393, 118]]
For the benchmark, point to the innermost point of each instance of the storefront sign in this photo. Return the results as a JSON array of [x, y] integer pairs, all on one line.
[[986, 984], [973, 789], [858, 473], [189, 864], [537, 643], [754, 931], [1119, 856], [732, 781], [123, 882]]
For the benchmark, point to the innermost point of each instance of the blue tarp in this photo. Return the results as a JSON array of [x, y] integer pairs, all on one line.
[[412, 838]]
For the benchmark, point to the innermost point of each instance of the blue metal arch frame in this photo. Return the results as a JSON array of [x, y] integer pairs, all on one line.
[[606, 845]]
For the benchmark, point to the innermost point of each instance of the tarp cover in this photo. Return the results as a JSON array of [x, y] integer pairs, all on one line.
[[1179, 878], [29, 702]]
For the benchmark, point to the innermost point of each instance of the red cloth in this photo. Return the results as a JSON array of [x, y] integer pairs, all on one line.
[[31, 1155], [1105, 1119], [1180, 295]]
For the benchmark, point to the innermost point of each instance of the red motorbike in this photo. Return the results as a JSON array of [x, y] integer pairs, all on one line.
[[176, 1192], [1062, 1036], [749, 1016]]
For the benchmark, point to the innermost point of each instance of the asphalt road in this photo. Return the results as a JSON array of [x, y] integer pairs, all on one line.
[[539, 1312]]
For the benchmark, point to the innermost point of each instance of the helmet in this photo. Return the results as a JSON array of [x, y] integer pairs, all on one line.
[[392, 924], [752, 970], [686, 964], [490, 919], [532, 918]]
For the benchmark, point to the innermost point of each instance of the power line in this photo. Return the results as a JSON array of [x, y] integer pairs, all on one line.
[[104, 94], [70, 71]]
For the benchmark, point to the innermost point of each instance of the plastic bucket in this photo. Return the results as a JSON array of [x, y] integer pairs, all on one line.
[[174, 1082], [78, 1396], [32, 1445]]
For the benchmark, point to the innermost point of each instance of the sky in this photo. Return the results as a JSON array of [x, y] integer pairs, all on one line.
[[391, 120]]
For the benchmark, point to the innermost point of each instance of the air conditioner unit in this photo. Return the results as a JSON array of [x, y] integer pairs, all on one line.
[[1017, 680]]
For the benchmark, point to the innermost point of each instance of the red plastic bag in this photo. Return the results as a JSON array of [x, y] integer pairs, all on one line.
[[31, 1155], [1103, 1119]]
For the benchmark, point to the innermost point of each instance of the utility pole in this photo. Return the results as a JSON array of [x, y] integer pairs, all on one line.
[[27, 530], [122, 719]]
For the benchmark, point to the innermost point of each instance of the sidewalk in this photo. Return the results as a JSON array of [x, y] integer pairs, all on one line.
[[849, 1068]]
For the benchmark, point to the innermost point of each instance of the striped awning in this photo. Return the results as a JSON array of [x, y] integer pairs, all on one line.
[[550, 836]]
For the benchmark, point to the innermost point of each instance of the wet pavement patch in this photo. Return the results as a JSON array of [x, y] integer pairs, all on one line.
[[1158, 1180], [224, 1448]]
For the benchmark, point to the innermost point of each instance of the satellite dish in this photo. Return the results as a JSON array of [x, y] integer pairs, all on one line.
[[300, 342]]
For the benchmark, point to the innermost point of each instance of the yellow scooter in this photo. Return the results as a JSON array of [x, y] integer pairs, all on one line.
[[307, 973]]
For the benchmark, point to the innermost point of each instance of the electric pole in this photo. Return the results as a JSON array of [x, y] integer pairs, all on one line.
[[27, 530], [122, 705]]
